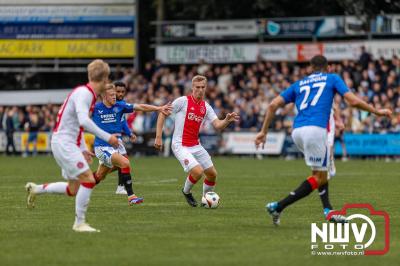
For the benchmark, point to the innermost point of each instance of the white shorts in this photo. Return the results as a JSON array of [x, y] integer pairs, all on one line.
[[70, 158], [104, 153], [189, 157], [331, 133], [312, 142]]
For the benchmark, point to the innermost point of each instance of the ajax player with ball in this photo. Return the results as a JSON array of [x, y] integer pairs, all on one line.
[[190, 113]]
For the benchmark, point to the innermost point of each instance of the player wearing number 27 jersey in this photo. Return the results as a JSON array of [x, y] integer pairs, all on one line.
[[313, 97]]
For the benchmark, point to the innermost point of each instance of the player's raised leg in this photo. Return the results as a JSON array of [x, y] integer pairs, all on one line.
[[312, 142], [63, 188], [305, 188]]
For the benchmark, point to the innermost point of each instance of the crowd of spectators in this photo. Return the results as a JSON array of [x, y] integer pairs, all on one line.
[[246, 89]]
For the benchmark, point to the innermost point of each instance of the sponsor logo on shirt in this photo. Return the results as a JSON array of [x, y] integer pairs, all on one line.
[[108, 118], [193, 117]]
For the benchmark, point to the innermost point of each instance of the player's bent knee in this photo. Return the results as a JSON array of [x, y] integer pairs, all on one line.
[[71, 191], [87, 177], [120, 161], [125, 164], [72, 188], [197, 172], [212, 174], [321, 177]]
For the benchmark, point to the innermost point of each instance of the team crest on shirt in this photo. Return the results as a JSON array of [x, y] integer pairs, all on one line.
[[186, 161], [80, 165], [202, 110], [116, 109]]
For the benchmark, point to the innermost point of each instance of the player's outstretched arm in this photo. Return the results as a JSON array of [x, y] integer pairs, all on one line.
[[273, 106], [356, 102], [222, 124], [160, 124], [165, 109]]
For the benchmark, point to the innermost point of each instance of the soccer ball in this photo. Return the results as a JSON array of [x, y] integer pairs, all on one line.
[[210, 200]]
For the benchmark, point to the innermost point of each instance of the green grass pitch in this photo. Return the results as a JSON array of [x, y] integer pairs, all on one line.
[[166, 231]]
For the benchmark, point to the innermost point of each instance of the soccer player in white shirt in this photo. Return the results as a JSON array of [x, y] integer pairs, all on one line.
[[190, 112], [69, 148]]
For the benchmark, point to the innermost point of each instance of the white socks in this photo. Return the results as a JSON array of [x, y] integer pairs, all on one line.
[[57, 188], [208, 186], [189, 183], [82, 202]]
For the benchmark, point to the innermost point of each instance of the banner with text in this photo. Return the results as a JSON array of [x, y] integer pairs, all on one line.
[[219, 53], [226, 28], [300, 52], [243, 143], [67, 31], [302, 27], [67, 48], [66, 13], [370, 144]]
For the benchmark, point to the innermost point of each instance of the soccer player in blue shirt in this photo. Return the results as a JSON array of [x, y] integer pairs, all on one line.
[[313, 97], [120, 89], [107, 115]]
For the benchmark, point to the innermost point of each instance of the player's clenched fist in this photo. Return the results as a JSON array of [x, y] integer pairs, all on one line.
[[158, 143], [260, 140], [384, 112], [133, 138]]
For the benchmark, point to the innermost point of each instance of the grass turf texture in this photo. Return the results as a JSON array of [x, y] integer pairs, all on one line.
[[166, 231]]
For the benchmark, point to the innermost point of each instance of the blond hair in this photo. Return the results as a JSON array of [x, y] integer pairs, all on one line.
[[98, 70], [110, 86], [199, 78]]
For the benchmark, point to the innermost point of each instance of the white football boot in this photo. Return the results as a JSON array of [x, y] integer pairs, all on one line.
[[121, 191], [84, 227], [31, 195]]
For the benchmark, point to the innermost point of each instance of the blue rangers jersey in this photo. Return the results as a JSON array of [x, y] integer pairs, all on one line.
[[110, 119], [313, 97]]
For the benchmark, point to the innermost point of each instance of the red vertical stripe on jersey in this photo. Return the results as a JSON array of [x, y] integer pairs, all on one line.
[[195, 114], [61, 112]]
